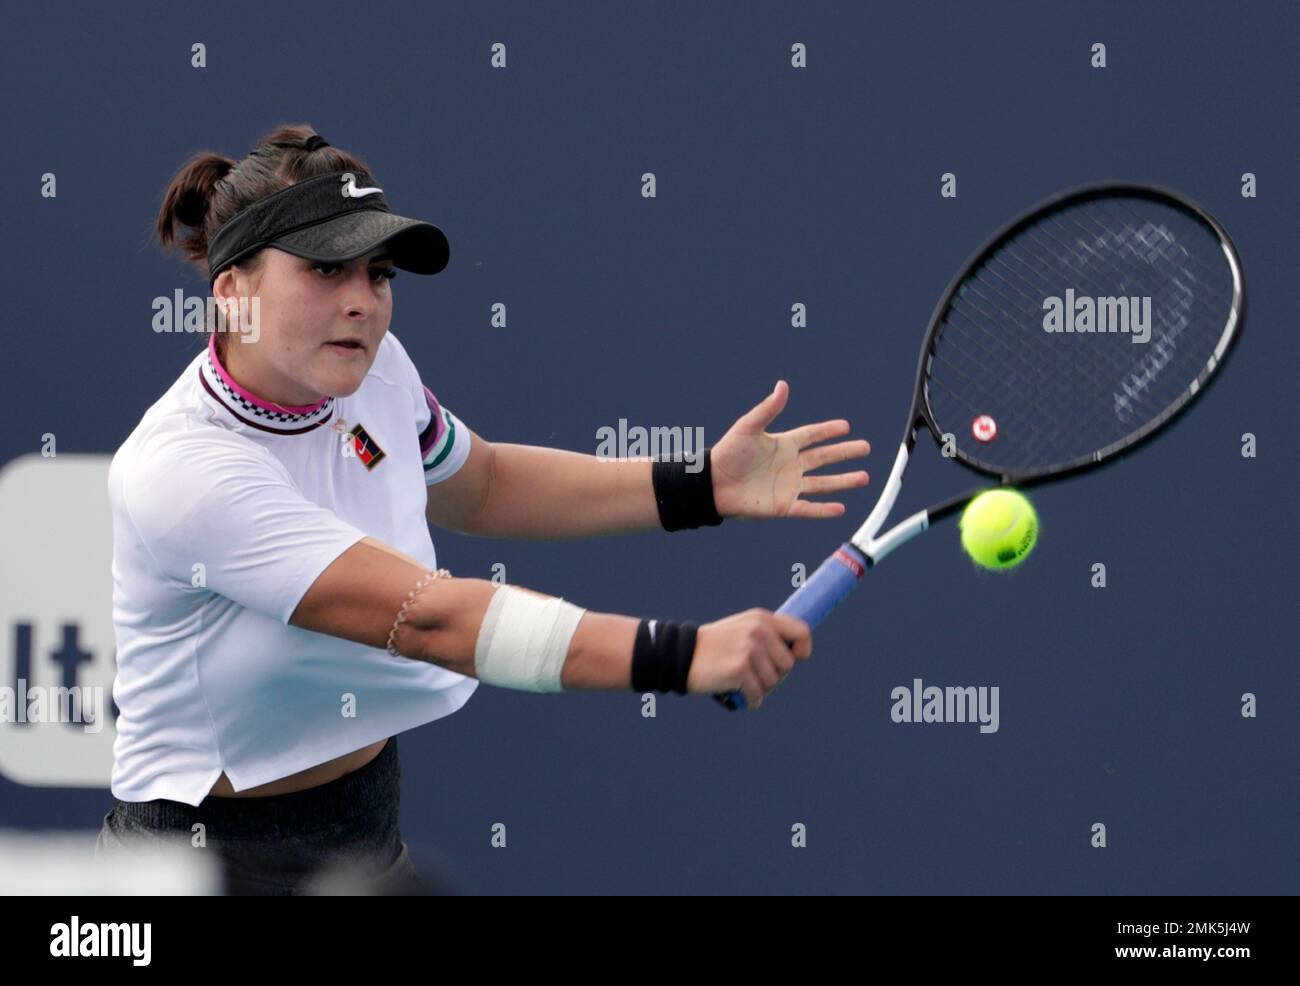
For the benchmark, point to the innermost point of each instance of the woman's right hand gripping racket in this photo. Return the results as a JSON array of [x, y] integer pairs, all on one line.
[[1076, 333]]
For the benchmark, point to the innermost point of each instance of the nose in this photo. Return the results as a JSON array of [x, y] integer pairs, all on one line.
[[359, 295]]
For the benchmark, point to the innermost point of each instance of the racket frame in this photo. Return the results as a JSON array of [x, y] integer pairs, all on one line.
[[842, 570], [874, 545]]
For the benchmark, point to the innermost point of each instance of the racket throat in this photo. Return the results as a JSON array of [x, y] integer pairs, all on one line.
[[875, 548], [876, 519]]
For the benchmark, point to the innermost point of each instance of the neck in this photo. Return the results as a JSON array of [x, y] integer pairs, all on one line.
[[246, 382]]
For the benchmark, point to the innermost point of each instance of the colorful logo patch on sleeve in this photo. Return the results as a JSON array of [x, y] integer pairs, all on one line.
[[366, 448]]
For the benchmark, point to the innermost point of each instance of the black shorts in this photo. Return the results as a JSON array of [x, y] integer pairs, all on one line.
[[340, 836]]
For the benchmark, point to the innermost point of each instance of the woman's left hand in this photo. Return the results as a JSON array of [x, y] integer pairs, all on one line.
[[760, 475]]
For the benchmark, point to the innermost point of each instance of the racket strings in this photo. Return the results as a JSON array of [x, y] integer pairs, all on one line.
[[1030, 294], [1178, 314], [984, 305], [1052, 401], [1041, 398], [1060, 396], [1044, 434], [1158, 245], [972, 365]]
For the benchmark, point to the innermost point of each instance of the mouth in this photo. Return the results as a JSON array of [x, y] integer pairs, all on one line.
[[350, 345]]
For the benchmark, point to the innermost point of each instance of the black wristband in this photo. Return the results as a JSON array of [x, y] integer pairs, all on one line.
[[661, 655], [685, 499]]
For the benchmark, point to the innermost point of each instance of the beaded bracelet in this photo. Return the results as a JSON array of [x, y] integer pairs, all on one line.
[[425, 579]]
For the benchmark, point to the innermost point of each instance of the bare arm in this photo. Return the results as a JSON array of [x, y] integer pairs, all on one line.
[[524, 491], [359, 595], [553, 494]]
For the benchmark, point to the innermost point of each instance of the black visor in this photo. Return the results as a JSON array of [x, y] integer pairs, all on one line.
[[334, 218]]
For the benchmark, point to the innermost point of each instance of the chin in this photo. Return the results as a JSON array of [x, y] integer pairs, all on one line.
[[338, 384], [343, 381], [345, 386]]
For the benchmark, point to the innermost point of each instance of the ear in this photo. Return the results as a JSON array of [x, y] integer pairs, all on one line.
[[225, 287]]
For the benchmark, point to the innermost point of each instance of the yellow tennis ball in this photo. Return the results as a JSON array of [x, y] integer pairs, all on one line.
[[999, 528]]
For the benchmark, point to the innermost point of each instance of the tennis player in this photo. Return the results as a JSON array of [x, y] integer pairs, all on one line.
[[279, 611]]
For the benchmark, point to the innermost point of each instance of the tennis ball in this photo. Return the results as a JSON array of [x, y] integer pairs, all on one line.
[[999, 528]]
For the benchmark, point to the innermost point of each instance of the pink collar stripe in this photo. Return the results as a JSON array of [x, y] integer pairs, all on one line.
[[252, 398]]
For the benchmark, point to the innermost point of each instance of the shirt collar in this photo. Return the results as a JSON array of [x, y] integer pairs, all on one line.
[[251, 410]]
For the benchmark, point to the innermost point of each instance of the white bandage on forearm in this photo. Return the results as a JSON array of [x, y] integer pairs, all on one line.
[[524, 639]]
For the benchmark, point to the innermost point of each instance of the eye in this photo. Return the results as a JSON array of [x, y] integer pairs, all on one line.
[[377, 274]]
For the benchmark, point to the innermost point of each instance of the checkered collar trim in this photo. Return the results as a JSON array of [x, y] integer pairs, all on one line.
[[252, 410]]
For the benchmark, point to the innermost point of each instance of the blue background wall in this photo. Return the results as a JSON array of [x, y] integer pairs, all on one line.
[[775, 186]]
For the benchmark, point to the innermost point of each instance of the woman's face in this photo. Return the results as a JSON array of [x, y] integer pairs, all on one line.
[[306, 309]]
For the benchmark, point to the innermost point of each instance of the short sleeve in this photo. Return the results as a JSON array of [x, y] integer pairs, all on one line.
[[230, 506], [444, 439]]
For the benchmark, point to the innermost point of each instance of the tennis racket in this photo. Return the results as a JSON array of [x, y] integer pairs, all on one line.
[[1077, 332]]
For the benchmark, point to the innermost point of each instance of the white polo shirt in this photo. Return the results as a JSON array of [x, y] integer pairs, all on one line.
[[225, 510]]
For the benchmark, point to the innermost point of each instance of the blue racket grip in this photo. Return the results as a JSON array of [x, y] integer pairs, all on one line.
[[834, 579]]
